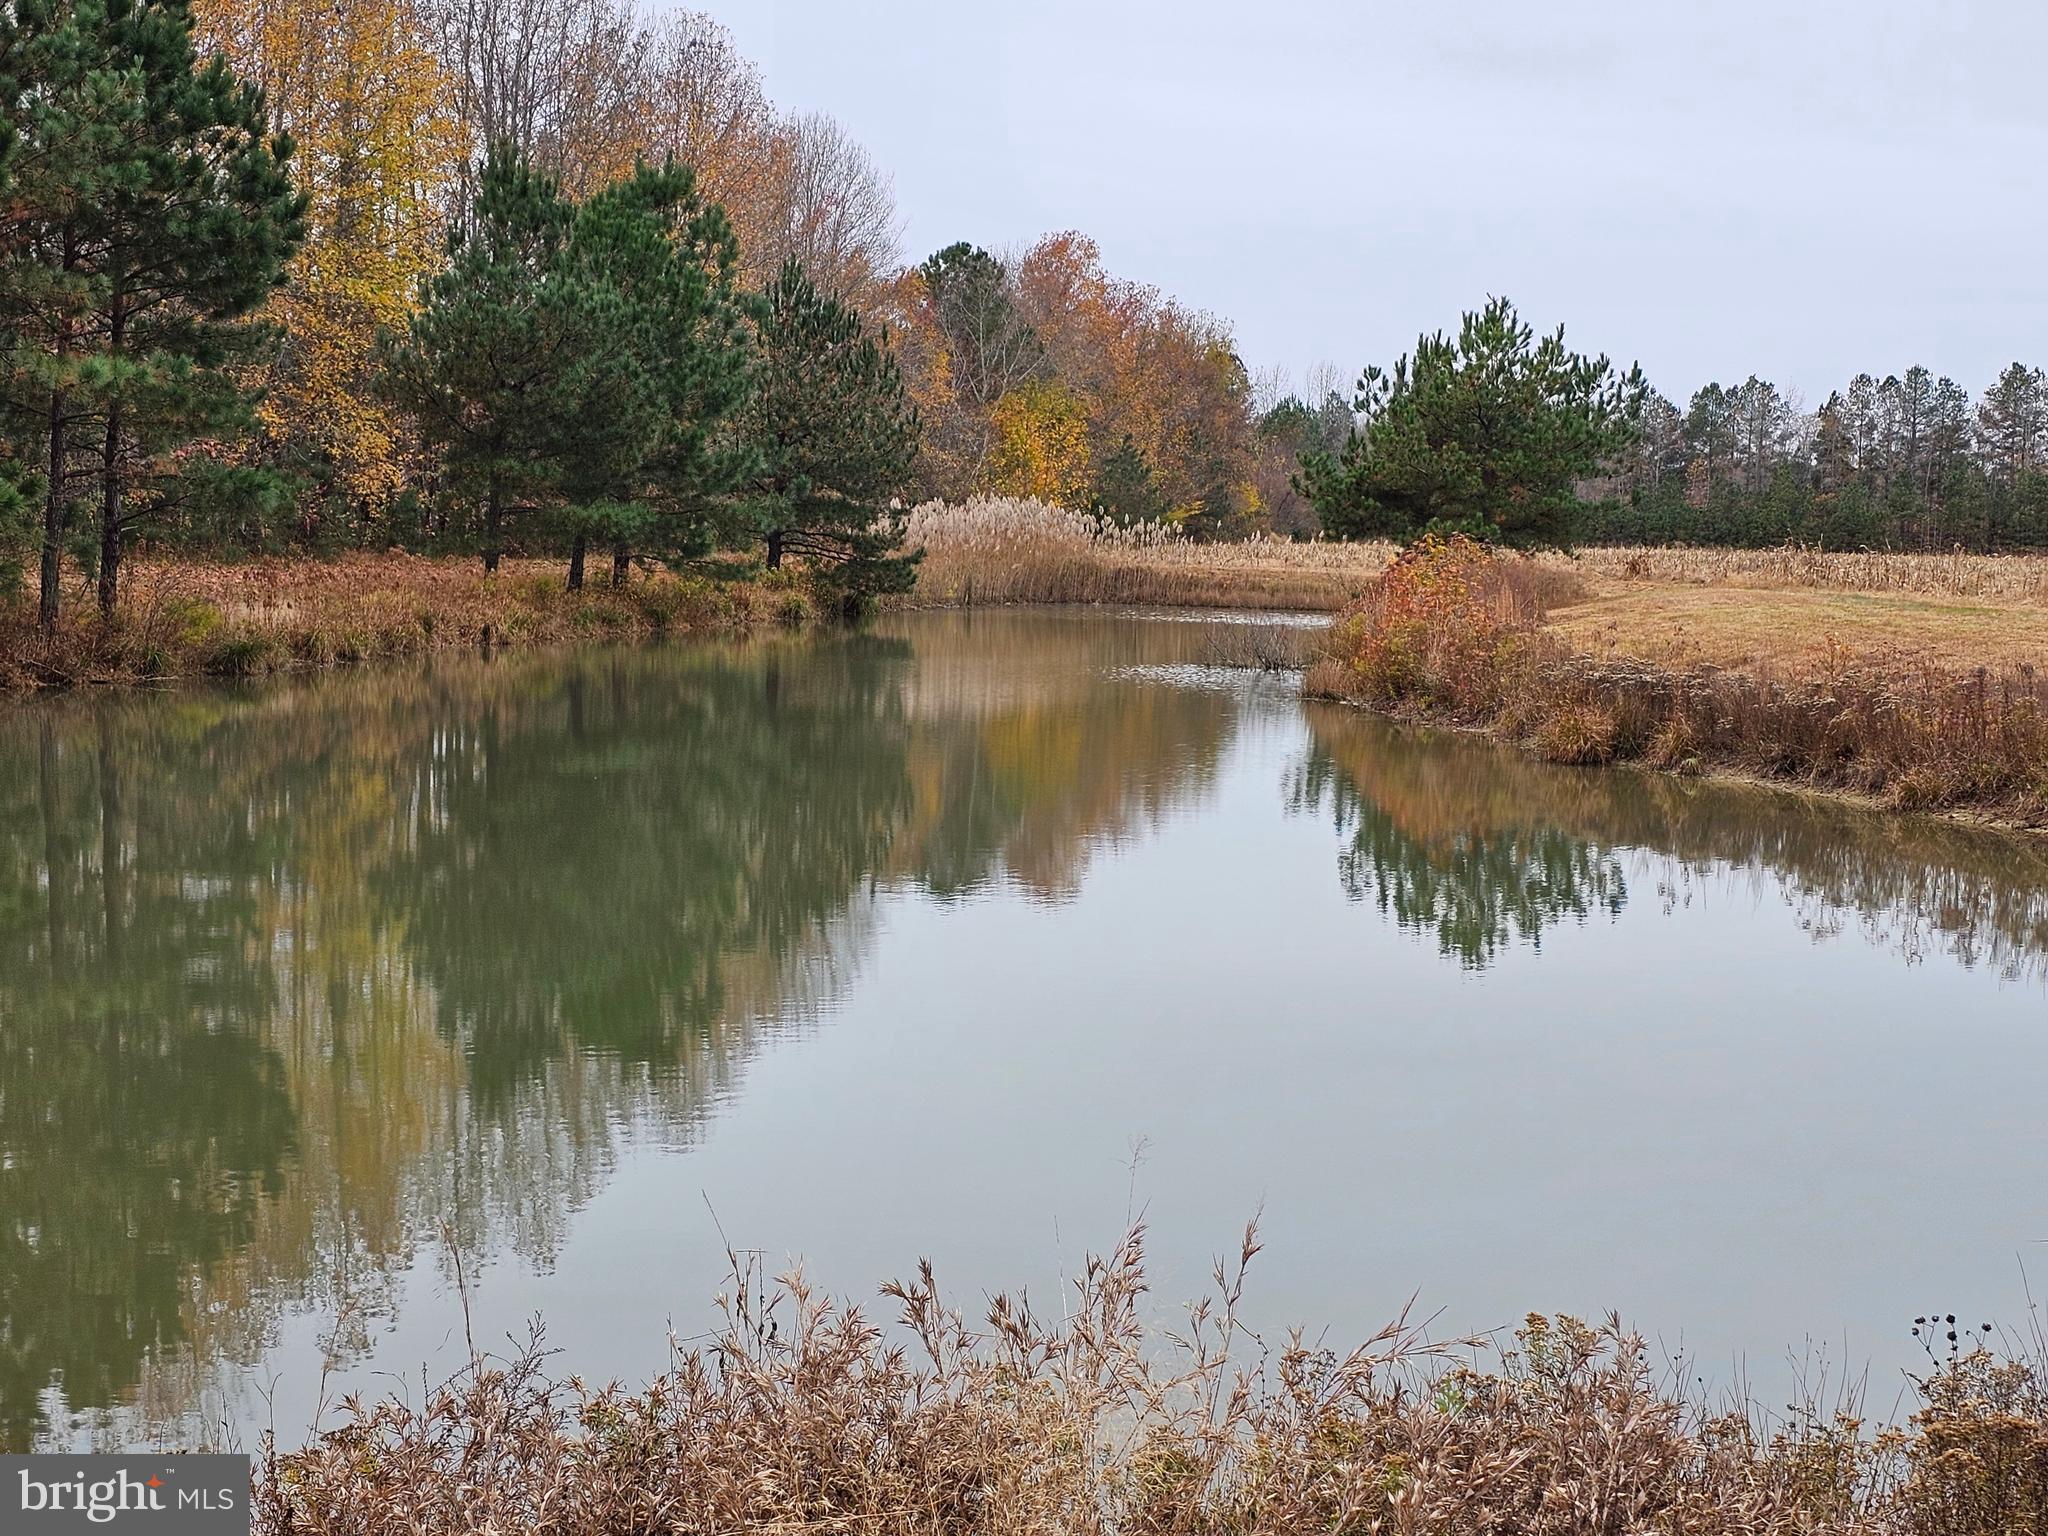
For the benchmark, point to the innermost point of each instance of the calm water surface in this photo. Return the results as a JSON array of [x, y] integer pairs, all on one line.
[[965, 938]]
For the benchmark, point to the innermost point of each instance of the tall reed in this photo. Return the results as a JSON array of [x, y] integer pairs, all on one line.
[[2011, 578], [1005, 550]]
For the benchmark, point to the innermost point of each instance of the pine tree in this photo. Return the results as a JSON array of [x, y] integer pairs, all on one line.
[[664, 361], [1710, 431], [836, 434], [1762, 425], [156, 213], [2012, 423], [193, 232], [485, 365], [1909, 400], [1860, 420], [1948, 430], [1834, 449], [1486, 434], [72, 112], [18, 475]]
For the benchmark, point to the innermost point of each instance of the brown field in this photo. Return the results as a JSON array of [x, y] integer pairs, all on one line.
[[2011, 578], [1756, 610], [1796, 610], [1751, 628]]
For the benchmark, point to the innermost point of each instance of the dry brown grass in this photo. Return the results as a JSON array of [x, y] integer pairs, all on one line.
[[2006, 578], [183, 619], [1799, 611], [804, 1416], [1797, 630], [998, 550], [1451, 632]]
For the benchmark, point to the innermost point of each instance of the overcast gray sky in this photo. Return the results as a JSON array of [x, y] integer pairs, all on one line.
[[1797, 188]]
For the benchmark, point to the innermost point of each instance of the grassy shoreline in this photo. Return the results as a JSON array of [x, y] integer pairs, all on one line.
[[1901, 681], [180, 621], [1454, 636]]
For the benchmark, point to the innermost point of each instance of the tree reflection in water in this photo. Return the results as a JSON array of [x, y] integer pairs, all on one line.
[[296, 982], [299, 985], [1476, 843]]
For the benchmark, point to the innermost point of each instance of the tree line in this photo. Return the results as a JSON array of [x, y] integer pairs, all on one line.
[[1908, 461], [597, 368], [556, 276], [418, 177], [1499, 434], [574, 372], [1044, 376]]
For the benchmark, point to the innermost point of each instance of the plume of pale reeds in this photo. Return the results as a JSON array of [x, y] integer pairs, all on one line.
[[993, 549]]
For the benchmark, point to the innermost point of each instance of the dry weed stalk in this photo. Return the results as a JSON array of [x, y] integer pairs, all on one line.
[[803, 1416]]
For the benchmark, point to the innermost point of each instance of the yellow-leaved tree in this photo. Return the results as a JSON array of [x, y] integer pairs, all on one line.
[[1041, 444], [358, 86]]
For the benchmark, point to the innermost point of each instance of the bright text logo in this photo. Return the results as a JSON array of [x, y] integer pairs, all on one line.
[[156, 1495]]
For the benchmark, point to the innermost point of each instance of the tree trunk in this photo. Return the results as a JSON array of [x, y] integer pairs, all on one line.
[[775, 549], [53, 499], [494, 514], [53, 512], [576, 564], [622, 562], [110, 564], [110, 517], [110, 467]]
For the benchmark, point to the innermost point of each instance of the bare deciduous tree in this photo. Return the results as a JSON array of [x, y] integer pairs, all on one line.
[[560, 79], [834, 210], [704, 106]]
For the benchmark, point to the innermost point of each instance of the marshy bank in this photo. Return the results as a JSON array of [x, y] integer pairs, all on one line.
[[181, 620], [1456, 634], [1909, 680]]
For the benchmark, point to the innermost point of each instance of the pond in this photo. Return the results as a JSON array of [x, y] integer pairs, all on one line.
[[345, 1020]]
